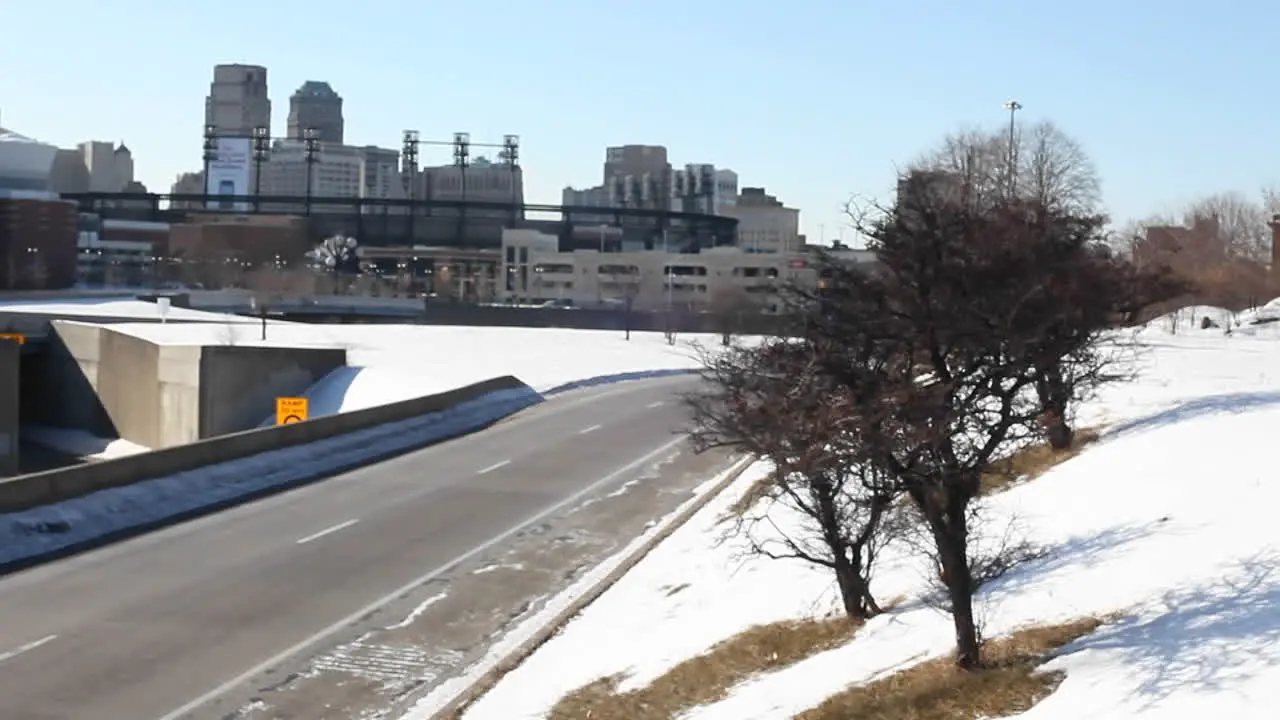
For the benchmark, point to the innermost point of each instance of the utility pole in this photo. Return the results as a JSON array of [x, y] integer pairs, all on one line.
[[1013, 106]]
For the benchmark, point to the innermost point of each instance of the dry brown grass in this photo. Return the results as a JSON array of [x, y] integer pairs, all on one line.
[[1032, 461], [754, 494], [1006, 684], [707, 677]]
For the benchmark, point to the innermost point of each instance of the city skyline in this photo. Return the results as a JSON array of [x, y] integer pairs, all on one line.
[[820, 101]]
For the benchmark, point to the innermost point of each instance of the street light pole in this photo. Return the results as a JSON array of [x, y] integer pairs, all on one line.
[[310, 155], [261, 153], [1013, 106]]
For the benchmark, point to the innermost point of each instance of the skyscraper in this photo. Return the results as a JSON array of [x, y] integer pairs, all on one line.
[[316, 105], [237, 100]]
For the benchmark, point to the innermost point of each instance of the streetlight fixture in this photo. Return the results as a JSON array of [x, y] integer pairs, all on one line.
[[462, 157], [310, 156]]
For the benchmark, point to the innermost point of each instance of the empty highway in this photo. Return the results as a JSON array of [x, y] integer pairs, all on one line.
[[169, 624]]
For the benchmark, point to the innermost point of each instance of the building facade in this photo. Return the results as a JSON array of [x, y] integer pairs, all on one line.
[[316, 105], [37, 228], [37, 240], [765, 224], [536, 271], [109, 166], [238, 100], [480, 181]]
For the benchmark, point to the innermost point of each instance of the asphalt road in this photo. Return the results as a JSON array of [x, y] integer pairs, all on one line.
[[160, 625]]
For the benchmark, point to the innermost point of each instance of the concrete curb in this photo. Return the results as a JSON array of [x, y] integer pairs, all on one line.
[[454, 709]]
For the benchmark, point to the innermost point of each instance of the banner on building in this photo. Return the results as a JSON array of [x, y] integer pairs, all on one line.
[[228, 175]]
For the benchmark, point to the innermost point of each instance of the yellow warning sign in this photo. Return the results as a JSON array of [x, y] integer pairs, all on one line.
[[290, 410], [16, 337]]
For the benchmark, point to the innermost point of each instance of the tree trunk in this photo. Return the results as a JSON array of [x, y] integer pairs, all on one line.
[[855, 595], [855, 591], [1059, 434], [1053, 398], [950, 533]]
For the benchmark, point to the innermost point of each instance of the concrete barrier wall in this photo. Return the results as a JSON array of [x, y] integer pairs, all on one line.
[[112, 384], [10, 372], [239, 385], [28, 491]]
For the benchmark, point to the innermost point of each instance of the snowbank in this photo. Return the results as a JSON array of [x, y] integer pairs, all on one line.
[[80, 443], [67, 526], [1132, 527]]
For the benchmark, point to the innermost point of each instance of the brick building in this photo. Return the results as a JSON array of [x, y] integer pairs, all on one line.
[[252, 239], [38, 233]]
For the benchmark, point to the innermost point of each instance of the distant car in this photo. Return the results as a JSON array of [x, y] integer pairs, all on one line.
[[562, 303]]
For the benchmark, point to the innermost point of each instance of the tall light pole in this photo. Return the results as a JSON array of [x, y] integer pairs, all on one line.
[[310, 156], [1013, 106], [261, 154]]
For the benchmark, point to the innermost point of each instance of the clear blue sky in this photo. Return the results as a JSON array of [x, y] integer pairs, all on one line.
[[814, 99]]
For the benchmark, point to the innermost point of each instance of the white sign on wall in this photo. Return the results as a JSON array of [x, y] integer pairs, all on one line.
[[228, 174]]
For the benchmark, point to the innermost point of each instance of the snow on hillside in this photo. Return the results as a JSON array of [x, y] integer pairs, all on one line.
[[1168, 520]]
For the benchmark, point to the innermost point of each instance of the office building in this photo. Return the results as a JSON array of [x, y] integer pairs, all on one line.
[[765, 225], [238, 100], [315, 105], [338, 171], [536, 271], [481, 181]]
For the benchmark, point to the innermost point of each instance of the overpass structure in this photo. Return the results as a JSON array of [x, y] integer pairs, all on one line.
[[390, 223]]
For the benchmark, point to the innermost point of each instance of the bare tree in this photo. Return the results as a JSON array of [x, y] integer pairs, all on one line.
[[1052, 169], [1240, 224], [624, 287], [934, 345], [772, 400], [729, 308]]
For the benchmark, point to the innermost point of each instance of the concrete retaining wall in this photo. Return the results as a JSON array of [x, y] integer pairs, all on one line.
[[10, 371], [239, 385], [112, 384], [28, 491]]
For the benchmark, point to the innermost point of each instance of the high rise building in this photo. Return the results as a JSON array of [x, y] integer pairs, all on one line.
[[316, 105], [110, 166], [238, 100]]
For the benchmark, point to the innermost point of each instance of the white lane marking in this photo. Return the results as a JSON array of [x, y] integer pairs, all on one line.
[[655, 404], [413, 584], [11, 654], [494, 466], [584, 431], [327, 531]]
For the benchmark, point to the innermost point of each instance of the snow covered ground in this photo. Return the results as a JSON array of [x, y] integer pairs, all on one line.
[[90, 308], [388, 363], [1167, 520]]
